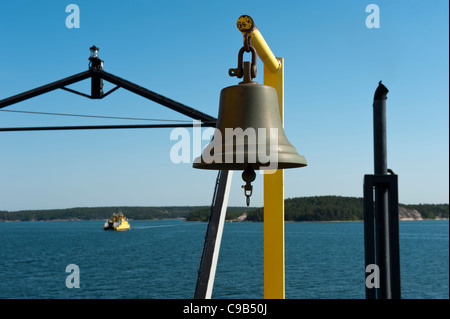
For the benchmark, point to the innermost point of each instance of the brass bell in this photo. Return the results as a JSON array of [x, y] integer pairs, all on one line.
[[255, 106], [249, 134]]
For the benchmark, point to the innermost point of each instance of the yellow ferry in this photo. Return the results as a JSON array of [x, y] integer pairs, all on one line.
[[117, 222]]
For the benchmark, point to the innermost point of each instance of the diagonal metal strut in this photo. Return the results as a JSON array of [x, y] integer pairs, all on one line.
[[45, 88], [119, 82]]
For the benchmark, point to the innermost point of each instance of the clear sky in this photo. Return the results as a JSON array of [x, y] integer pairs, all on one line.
[[183, 50]]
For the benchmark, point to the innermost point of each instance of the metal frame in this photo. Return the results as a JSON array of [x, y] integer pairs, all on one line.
[[381, 243], [97, 74], [381, 228]]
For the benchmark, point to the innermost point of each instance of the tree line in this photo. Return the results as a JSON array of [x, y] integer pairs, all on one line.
[[95, 213], [322, 208], [317, 208]]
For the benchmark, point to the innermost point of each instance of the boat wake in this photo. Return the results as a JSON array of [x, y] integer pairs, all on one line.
[[146, 227]]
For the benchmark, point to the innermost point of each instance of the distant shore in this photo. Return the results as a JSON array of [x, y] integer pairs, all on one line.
[[299, 209], [227, 221]]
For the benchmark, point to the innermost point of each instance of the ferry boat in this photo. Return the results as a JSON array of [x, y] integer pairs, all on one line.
[[117, 222]]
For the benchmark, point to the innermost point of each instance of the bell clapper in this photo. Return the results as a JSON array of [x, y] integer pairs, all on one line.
[[248, 175], [248, 188]]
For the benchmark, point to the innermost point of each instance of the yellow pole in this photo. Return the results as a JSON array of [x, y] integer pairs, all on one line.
[[273, 183], [274, 208]]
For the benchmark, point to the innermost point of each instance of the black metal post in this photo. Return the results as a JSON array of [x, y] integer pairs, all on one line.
[[369, 231], [394, 235], [381, 234], [381, 199], [96, 80]]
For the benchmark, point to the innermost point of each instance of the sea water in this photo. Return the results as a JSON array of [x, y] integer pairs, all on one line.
[[160, 259]]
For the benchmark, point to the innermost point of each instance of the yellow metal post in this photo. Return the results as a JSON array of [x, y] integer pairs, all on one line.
[[274, 280], [274, 207]]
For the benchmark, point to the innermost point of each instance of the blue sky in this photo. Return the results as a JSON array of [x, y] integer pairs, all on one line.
[[183, 50]]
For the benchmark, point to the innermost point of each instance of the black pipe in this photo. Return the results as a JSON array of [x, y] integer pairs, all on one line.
[[381, 192], [379, 129]]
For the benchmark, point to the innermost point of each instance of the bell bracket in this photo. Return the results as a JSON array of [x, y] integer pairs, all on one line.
[[239, 71]]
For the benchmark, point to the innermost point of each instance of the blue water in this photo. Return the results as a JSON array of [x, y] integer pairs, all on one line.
[[159, 259]]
